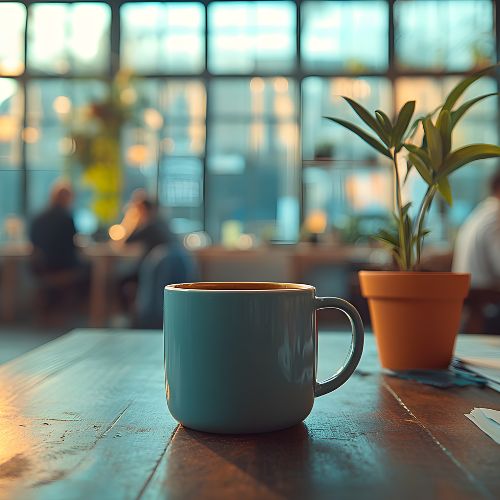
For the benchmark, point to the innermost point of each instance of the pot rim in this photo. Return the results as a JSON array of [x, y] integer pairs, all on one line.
[[411, 273], [414, 285]]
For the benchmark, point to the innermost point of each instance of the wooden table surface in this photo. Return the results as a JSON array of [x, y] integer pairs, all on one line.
[[85, 417]]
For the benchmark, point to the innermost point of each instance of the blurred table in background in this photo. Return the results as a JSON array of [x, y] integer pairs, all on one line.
[[103, 258], [306, 257], [281, 262], [302, 262], [11, 255], [267, 263]]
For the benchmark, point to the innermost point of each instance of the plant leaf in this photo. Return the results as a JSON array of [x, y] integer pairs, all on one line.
[[459, 112], [421, 167], [419, 237], [421, 153], [384, 242], [385, 121], [433, 143], [402, 123], [414, 126], [387, 238], [445, 129], [362, 135], [462, 86], [409, 166], [467, 154], [405, 208], [445, 190], [372, 122]]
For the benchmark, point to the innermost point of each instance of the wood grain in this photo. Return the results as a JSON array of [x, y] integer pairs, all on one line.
[[85, 417], [89, 418]]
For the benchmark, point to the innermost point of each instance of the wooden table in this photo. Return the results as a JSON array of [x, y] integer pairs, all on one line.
[[297, 259], [85, 417]]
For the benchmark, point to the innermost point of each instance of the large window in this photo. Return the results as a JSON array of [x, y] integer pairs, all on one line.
[[444, 35], [216, 107], [350, 36], [12, 23], [68, 38], [248, 37], [252, 163], [163, 37]]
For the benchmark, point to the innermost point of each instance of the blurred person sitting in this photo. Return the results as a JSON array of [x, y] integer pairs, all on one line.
[[477, 251], [52, 233], [144, 226], [151, 229], [56, 261], [477, 248]]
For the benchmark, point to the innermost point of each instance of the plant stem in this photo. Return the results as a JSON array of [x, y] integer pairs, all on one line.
[[403, 264], [399, 203], [424, 208]]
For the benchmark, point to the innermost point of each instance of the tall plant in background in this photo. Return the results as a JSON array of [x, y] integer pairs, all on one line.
[[94, 157], [433, 159]]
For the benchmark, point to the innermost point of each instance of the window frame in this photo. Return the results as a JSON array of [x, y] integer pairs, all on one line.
[[297, 74]]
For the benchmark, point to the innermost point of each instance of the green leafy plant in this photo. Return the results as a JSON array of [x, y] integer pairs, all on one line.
[[433, 159]]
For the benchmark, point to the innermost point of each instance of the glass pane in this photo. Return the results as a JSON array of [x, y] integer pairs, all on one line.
[[60, 119], [345, 35], [69, 38], [322, 138], [165, 145], [444, 34], [56, 111], [163, 37], [10, 204], [39, 186], [253, 162], [12, 23], [181, 190], [247, 37], [480, 124], [352, 200], [269, 98], [11, 111]]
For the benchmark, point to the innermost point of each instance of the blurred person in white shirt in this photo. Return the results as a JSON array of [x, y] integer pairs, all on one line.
[[477, 248]]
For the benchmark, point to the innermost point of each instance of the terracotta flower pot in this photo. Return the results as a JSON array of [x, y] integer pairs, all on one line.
[[415, 316]]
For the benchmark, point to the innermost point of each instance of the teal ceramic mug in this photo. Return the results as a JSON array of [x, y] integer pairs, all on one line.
[[241, 357]]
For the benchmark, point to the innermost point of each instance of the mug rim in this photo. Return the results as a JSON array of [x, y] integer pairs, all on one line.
[[239, 287]]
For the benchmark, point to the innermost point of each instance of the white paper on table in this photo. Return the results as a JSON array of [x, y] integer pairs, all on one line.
[[491, 374], [487, 420], [492, 363], [483, 358], [493, 386]]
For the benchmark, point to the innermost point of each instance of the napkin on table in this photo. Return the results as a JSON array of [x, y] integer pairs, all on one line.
[[444, 379], [487, 420]]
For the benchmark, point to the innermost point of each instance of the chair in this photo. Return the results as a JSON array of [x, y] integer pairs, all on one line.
[[57, 292], [164, 265]]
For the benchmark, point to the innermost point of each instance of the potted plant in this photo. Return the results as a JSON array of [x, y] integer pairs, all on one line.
[[416, 315]]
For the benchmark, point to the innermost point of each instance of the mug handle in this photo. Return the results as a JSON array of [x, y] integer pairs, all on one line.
[[358, 335]]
